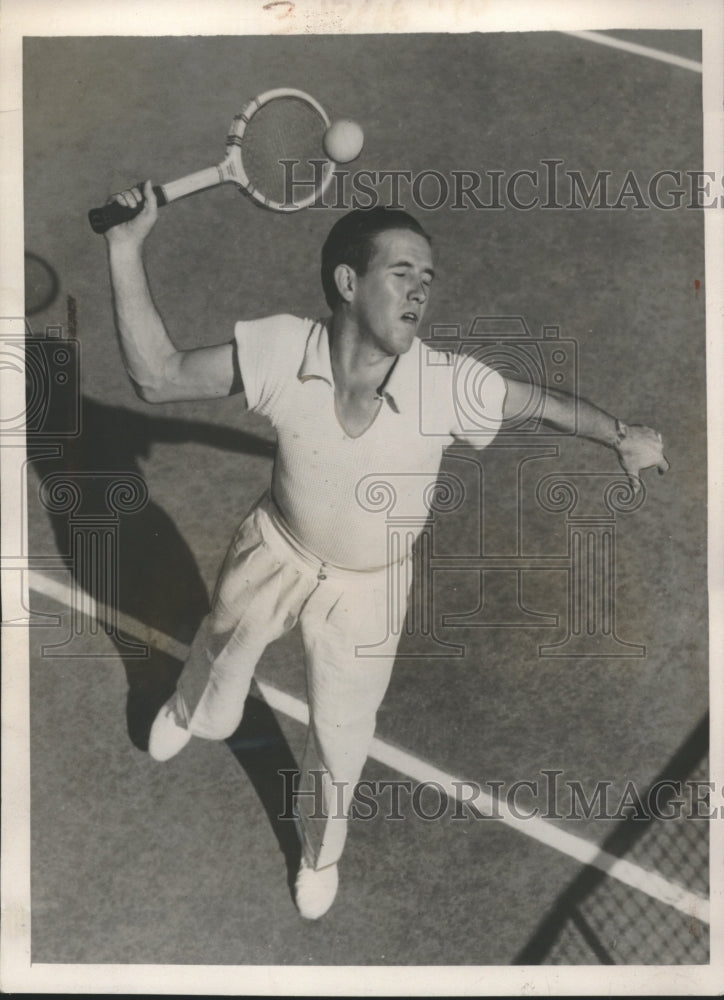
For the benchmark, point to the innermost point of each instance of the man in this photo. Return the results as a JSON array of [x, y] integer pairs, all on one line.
[[344, 396]]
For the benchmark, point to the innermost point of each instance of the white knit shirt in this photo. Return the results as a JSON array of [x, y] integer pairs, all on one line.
[[338, 494]]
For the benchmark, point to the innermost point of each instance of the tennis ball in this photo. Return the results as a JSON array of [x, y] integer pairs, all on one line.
[[343, 141]]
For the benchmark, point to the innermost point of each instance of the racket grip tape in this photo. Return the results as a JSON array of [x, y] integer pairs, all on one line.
[[113, 213]]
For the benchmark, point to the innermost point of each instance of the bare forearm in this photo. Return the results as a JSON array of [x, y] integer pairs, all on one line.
[[637, 447], [570, 414], [146, 346], [160, 373]]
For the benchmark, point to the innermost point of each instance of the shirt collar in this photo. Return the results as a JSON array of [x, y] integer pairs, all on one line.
[[317, 364]]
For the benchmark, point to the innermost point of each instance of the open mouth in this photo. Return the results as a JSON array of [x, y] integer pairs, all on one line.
[[410, 317]]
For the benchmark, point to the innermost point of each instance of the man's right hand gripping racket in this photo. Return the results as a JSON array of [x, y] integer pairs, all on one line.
[[277, 137]]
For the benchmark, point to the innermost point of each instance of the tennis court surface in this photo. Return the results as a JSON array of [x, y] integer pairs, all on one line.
[[496, 684]]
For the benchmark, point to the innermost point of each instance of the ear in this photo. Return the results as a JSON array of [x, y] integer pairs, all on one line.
[[345, 278]]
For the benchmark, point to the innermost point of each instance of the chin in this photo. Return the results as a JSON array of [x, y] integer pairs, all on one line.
[[403, 343]]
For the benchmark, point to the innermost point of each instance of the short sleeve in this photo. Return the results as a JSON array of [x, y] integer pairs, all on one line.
[[269, 351], [462, 398], [478, 400]]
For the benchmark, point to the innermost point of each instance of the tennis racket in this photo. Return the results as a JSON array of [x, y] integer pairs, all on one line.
[[273, 150]]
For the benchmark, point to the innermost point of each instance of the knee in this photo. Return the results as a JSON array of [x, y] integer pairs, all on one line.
[[218, 635], [224, 614]]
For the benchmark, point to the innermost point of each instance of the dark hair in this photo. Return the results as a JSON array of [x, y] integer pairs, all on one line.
[[351, 241]]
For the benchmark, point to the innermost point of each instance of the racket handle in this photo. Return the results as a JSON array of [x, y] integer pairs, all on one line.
[[113, 213]]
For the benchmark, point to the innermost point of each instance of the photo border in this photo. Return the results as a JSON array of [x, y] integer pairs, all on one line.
[[219, 17]]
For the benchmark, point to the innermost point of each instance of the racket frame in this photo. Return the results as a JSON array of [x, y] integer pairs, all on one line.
[[231, 168]]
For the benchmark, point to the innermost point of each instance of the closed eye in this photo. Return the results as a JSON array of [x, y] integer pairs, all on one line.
[[426, 278]]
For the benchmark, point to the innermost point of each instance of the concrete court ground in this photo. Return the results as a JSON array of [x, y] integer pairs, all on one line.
[[133, 862]]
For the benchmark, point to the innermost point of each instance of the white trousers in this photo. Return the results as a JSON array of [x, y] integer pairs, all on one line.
[[265, 586]]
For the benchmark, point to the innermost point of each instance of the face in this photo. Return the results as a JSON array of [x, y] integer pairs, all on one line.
[[388, 301]]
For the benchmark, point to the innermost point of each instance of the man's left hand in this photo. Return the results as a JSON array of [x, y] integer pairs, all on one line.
[[641, 448]]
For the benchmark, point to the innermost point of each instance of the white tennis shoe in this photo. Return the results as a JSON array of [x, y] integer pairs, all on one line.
[[315, 890], [169, 732]]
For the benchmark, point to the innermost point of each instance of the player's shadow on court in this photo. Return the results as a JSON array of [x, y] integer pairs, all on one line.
[[261, 748], [157, 580]]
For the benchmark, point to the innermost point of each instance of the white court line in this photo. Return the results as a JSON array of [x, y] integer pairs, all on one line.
[[639, 50], [653, 885]]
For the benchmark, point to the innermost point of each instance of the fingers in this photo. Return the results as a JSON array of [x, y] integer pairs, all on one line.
[[149, 195], [635, 483], [632, 474], [131, 198], [633, 471], [142, 209], [663, 465], [140, 198]]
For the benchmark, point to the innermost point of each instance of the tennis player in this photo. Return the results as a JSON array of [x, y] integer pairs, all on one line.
[[344, 396]]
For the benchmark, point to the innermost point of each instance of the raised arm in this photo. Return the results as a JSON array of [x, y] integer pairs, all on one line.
[[158, 370], [637, 447]]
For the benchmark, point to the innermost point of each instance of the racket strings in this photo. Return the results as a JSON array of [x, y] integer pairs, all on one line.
[[286, 128]]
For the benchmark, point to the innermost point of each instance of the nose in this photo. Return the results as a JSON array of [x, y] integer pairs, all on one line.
[[418, 292]]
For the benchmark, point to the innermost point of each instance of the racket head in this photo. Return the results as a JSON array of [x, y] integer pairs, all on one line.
[[280, 126]]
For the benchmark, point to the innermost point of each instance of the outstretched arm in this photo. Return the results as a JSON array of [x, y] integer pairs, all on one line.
[[158, 370], [637, 447]]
